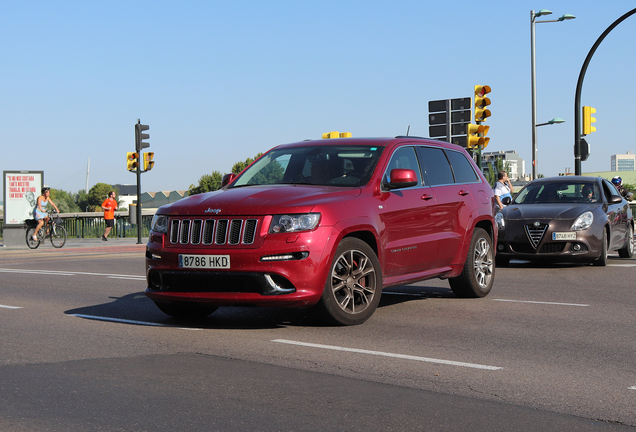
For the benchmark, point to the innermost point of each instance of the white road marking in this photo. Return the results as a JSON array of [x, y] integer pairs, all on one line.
[[539, 302], [621, 265], [10, 307], [67, 273], [386, 354], [631, 388], [125, 321]]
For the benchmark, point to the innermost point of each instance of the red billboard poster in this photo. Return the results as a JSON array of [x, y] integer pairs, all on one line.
[[21, 190]]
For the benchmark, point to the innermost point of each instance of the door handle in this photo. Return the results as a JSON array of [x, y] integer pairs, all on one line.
[[463, 192], [427, 197]]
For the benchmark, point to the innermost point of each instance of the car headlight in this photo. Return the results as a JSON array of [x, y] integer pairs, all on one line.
[[159, 223], [294, 222], [583, 222], [501, 222]]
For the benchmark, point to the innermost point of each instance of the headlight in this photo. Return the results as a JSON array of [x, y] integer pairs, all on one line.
[[583, 222], [294, 222], [501, 222], [159, 223]]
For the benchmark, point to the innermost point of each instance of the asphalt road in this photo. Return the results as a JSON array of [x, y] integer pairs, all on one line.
[[81, 348]]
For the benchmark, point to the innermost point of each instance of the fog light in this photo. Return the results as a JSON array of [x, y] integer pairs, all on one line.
[[576, 247], [500, 247]]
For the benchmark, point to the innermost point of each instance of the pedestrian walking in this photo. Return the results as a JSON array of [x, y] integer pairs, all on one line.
[[109, 206]]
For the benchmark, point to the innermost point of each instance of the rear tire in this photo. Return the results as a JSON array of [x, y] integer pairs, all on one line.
[[186, 311], [354, 284], [33, 244], [602, 259], [58, 236], [479, 272], [628, 250]]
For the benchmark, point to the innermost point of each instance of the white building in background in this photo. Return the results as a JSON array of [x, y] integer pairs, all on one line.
[[510, 157], [624, 162]]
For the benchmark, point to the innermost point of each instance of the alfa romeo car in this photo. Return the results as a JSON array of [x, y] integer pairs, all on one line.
[[327, 223], [568, 218]]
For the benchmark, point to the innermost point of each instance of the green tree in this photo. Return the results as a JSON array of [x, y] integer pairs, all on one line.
[[493, 170], [97, 194], [212, 182], [64, 201]]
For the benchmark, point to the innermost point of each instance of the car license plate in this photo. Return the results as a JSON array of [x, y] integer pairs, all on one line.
[[205, 261], [563, 236]]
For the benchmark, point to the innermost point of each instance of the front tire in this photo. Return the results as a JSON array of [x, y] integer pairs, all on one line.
[[628, 250], [602, 259], [354, 284], [186, 311], [33, 244], [58, 236], [479, 272]]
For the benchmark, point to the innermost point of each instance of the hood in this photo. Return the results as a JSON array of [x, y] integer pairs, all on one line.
[[546, 211], [259, 200]]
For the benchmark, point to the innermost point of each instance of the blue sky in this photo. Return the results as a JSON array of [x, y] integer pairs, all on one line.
[[219, 82]]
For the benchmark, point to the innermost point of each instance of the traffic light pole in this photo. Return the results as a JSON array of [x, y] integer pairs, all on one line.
[[579, 86], [139, 224]]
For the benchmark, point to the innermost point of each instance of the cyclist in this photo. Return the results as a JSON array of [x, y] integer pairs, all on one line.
[[39, 212], [618, 182]]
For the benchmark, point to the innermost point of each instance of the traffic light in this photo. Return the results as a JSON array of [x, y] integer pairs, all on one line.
[[588, 120], [481, 102], [336, 134], [476, 136], [148, 162], [140, 137], [132, 161]]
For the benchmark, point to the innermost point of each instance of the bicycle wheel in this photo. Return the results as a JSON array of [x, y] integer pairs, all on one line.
[[58, 235], [29, 239]]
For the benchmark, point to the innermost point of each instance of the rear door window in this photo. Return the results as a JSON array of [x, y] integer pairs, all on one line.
[[462, 168], [436, 166]]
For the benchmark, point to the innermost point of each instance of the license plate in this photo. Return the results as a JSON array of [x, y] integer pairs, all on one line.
[[563, 236], [205, 261]]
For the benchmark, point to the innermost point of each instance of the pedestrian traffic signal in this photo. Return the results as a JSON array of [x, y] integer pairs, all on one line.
[[148, 162], [132, 161], [140, 137], [476, 136], [481, 102], [588, 120]]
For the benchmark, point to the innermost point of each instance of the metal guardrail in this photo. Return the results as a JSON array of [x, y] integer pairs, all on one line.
[[92, 225]]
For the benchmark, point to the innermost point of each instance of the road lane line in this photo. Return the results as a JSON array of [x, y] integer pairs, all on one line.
[[538, 302], [10, 307], [67, 273], [386, 354], [125, 321]]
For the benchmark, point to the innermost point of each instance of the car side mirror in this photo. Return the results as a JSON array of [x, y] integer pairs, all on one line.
[[402, 178], [227, 179], [615, 199], [506, 201]]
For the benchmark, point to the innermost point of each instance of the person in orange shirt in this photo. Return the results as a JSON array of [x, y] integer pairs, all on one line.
[[109, 206]]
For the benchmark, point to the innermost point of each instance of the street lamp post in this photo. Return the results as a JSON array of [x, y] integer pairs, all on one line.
[[533, 16]]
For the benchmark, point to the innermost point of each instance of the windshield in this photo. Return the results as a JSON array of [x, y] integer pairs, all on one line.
[[558, 192], [349, 166]]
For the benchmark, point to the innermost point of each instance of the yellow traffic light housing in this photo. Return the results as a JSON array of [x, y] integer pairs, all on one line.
[[476, 136], [481, 102], [336, 134], [588, 120], [148, 162], [132, 161]]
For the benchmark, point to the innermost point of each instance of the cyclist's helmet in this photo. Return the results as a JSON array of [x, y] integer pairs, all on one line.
[[45, 188], [617, 181]]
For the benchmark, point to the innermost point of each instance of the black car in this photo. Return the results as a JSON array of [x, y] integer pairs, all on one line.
[[568, 218]]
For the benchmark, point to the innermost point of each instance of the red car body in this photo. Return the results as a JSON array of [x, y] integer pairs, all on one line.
[[392, 212]]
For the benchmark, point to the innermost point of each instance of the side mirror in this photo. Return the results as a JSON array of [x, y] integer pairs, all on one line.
[[402, 178], [615, 199], [227, 179], [506, 201]]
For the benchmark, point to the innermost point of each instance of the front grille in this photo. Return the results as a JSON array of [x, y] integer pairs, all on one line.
[[219, 232], [535, 233], [552, 247]]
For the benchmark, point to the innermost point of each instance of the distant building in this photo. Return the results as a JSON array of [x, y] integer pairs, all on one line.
[[153, 200], [127, 194], [510, 157], [624, 162]]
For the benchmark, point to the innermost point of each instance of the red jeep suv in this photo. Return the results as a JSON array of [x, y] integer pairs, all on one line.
[[327, 223]]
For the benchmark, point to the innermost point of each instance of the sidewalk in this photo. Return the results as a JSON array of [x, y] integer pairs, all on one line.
[[82, 242]]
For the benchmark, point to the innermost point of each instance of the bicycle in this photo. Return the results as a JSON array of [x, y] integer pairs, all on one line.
[[53, 229]]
